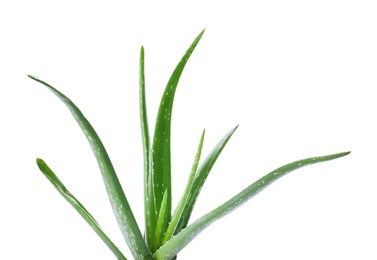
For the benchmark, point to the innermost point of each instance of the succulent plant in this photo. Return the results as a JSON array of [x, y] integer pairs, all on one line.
[[166, 231]]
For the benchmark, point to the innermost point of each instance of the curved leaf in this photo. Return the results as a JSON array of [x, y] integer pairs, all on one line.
[[118, 200], [179, 241], [50, 175], [161, 138]]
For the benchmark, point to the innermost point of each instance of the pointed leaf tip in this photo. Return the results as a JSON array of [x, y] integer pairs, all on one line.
[[172, 247], [50, 175], [120, 205], [201, 33]]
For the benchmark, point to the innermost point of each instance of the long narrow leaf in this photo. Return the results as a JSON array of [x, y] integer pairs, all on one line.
[[181, 205], [50, 175], [178, 242], [200, 179], [121, 208], [149, 198], [161, 138]]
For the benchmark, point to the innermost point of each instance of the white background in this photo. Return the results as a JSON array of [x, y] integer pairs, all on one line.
[[298, 76]]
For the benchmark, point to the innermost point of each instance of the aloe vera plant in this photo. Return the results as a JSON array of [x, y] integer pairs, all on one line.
[[166, 231]]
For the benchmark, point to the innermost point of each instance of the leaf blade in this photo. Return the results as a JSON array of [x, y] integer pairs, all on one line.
[[178, 242], [121, 208], [55, 181], [161, 139], [150, 218], [160, 221], [182, 203], [201, 177]]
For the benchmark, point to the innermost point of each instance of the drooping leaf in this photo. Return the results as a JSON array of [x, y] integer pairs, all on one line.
[[181, 205], [180, 240], [149, 198], [161, 139], [50, 175], [200, 178], [121, 208]]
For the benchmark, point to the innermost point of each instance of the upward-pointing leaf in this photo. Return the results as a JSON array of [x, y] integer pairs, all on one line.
[[121, 208], [161, 138], [179, 241], [181, 205], [149, 198], [200, 178], [160, 220]]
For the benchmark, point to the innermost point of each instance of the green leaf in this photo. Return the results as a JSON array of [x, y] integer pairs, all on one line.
[[160, 220], [50, 175], [200, 179], [179, 241], [150, 217], [161, 141], [121, 208], [181, 205]]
